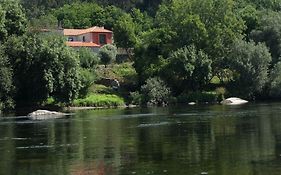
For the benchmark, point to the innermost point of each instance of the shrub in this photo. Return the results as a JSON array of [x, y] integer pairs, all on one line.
[[199, 97], [6, 83], [220, 91], [87, 79], [100, 100], [136, 98], [88, 59], [275, 77], [107, 54], [155, 92]]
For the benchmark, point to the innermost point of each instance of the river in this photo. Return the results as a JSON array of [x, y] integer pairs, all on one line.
[[182, 140]]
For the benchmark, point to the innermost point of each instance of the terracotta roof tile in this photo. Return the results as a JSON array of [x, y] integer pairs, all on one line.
[[81, 44], [74, 32]]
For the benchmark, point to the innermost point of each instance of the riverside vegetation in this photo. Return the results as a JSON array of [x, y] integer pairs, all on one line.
[[178, 51]]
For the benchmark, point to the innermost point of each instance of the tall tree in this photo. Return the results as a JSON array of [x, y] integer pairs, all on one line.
[[12, 19], [43, 66], [250, 62], [269, 32]]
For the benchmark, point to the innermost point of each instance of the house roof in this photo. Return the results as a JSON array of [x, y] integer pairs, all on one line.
[[81, 44], [95, 29]]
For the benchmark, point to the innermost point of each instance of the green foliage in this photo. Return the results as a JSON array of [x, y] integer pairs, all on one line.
[[100, 100], [149, 54], [210, 25], [198, 97], [136, 98], [48, 21], [250, 61], [12, 19], [188, 68], [275, 81], [125, 72], [269, 32], [129, 27], [221, 91], [87, 79], [251, 16], [155, 92], [6, 83], [43, 66], [90, 14], [88, 58], [107, 54], [125, 32]]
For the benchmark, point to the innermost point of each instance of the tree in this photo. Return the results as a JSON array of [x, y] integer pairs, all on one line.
[[6, 83], [43, 66], [107, 54], [48, 21], [188, 69], [250, 63], [125, 33], [251, 16], [269, 32], [275, 81], [12, 19], [88, 58], [155, 92], [209, 25]]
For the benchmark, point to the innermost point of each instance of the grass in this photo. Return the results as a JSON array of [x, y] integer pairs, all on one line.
[[99, 100]]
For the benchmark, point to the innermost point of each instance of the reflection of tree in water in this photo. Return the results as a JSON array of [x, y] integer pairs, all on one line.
[[93, 168], [220, 144]]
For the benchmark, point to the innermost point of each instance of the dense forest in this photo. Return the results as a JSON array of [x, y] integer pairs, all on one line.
[[180, 50]]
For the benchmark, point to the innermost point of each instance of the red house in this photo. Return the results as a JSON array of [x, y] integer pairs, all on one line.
[[93, 37]]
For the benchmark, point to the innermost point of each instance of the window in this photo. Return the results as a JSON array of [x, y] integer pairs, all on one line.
[[84, 39], [102, 39], [70, 39]]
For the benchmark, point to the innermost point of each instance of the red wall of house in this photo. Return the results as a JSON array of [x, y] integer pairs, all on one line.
[[108, 38]]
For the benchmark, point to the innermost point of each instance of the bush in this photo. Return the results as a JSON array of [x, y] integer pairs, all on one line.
[[198, 97], [6, 83], [87, 79], [107, 54], [88, 59], [220, 91], [155, 92], [275, 85], [99, 100], [136, 98]]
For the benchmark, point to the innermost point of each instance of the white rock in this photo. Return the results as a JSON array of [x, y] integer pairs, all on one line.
[[192, 103], [234, 101], [44, 115]]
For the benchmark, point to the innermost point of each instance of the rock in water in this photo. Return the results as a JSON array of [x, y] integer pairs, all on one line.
[[192, 103], [234, 101], [44, 115]]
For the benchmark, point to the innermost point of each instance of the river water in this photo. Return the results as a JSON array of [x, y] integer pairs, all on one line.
[[186, 140]]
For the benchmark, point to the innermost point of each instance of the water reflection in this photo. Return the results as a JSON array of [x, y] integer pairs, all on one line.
[[219, 140]]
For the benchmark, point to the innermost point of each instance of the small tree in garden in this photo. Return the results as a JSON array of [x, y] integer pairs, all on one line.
[[107, 54], [155, 91]]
